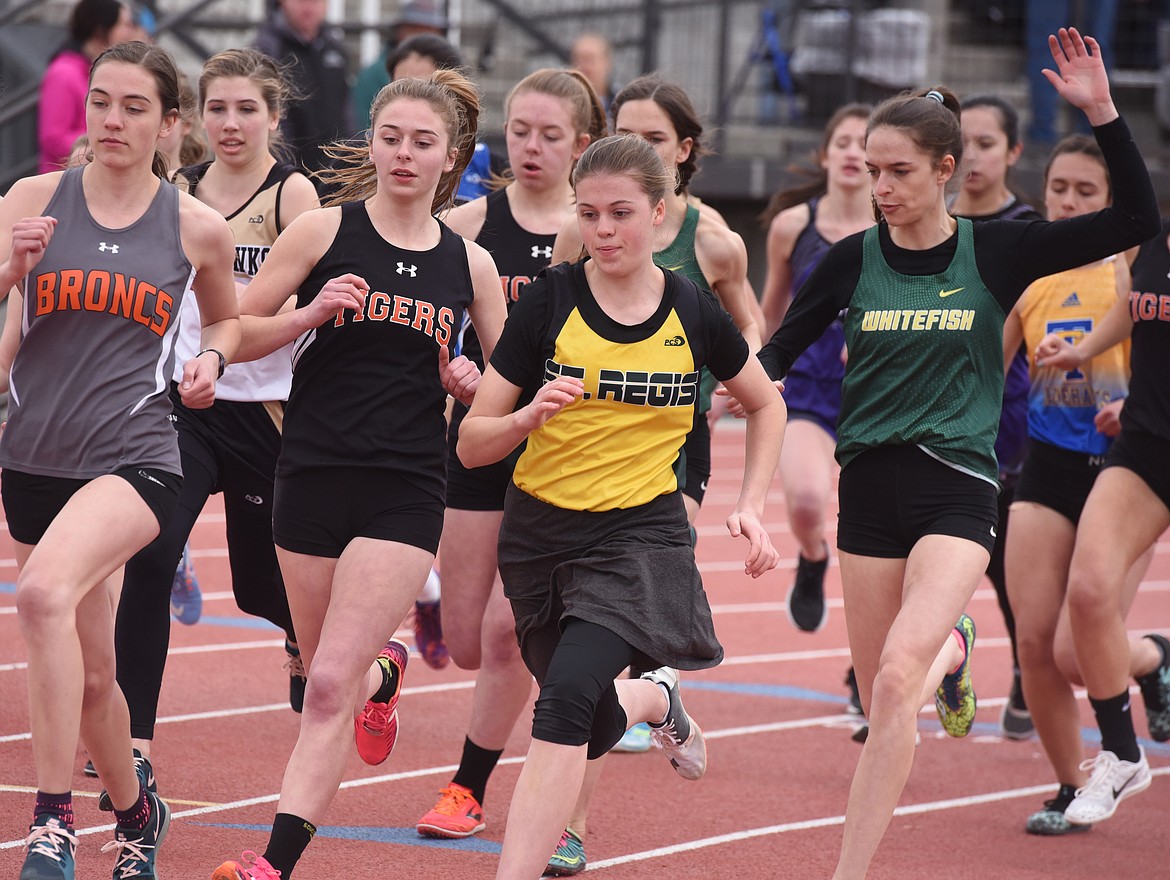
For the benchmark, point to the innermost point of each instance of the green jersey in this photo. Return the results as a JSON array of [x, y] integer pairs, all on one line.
[[679, 256], [925, 361]]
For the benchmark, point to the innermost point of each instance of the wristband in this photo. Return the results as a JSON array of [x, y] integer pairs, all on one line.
[[219, 354]]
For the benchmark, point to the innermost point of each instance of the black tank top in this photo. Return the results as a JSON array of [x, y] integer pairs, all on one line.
[[519, 256], [366, 391], [1148, 406]]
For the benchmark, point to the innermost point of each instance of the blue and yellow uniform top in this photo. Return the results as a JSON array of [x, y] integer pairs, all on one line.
[[616, 446], [1063, 403]]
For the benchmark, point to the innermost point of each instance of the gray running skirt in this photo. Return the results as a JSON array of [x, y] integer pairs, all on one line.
[[631, 571]]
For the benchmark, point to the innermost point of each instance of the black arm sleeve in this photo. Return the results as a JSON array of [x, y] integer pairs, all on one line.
[[1013, 254], [816, 305]]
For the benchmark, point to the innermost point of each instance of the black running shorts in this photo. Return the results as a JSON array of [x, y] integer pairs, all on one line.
[[892, 496]]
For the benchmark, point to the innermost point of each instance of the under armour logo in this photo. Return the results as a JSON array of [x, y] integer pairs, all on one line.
[[112, 248], [403, 269], [545, 252]]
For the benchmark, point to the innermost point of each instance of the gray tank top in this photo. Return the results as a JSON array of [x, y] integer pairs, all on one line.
[[88, 388]]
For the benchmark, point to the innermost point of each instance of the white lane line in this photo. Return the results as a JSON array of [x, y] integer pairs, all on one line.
[[808, 824]]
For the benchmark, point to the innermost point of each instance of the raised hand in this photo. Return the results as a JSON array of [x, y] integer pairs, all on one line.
[[1081, 78], [552, 397]]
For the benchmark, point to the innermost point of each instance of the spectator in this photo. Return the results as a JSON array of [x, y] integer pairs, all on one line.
[[94, 26], [296, 34], [414, 19], [1041, 18], [592, 54]]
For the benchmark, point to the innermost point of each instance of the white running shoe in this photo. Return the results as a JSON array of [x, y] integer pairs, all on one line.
[[1111, 781], [678, 735]]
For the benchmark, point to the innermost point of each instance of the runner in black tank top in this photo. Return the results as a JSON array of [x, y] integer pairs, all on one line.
[[232, 446], [807, 221], [360, 481], [550, 117], [105, 255], [1127, 510]]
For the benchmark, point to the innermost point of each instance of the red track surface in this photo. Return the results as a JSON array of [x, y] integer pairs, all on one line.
[[770, 806]]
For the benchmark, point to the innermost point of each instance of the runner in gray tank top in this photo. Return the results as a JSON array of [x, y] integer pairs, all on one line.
[[103, 256]]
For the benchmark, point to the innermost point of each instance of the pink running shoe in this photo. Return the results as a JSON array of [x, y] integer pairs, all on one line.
[[250, 867], [376, 729]]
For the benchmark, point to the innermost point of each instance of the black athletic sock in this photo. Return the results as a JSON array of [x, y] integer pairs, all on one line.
[[389, 681], [59, 805], [291, 836], [1116, 724], [475, 767], [135, 818]]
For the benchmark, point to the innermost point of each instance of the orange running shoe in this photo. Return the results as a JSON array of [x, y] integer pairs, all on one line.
[[376, 729], [457, 814], [250, 867]]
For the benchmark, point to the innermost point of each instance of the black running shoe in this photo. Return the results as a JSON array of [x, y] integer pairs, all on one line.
[[1015, 722], [1156, 692], [806, 597], [297, 678]]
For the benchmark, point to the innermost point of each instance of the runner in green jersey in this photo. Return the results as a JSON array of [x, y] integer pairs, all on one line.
[[927, 295]]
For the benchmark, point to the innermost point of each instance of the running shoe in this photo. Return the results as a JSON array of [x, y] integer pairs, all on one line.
[[186, 597], [145, 776], [1156, 693], [635, 740], [376, 728], [428, 634], [135, 851], [457, 814], [1111, 781], [853, 707], [569, 857], [249, 867], [50, 850], [955, 698], [1050, 821], [678, 735], [297, 678], [806, 597], [90, 770], [1015, 722]]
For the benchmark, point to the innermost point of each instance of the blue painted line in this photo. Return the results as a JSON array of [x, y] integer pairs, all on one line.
[[240, 622], [782, 692], [7, 588], [402, 836]]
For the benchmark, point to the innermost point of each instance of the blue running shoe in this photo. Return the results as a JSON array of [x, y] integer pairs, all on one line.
[[569, 857], [634, 740], [186, 597], [135, 851], [51, 848]]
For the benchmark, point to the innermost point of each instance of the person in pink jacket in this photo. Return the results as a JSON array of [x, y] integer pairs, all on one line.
[[94, 26]]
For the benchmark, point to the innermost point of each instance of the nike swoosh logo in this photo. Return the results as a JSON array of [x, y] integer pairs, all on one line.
[[946, 293]]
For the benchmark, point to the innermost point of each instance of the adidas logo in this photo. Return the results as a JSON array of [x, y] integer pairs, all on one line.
[[1071, 301]]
